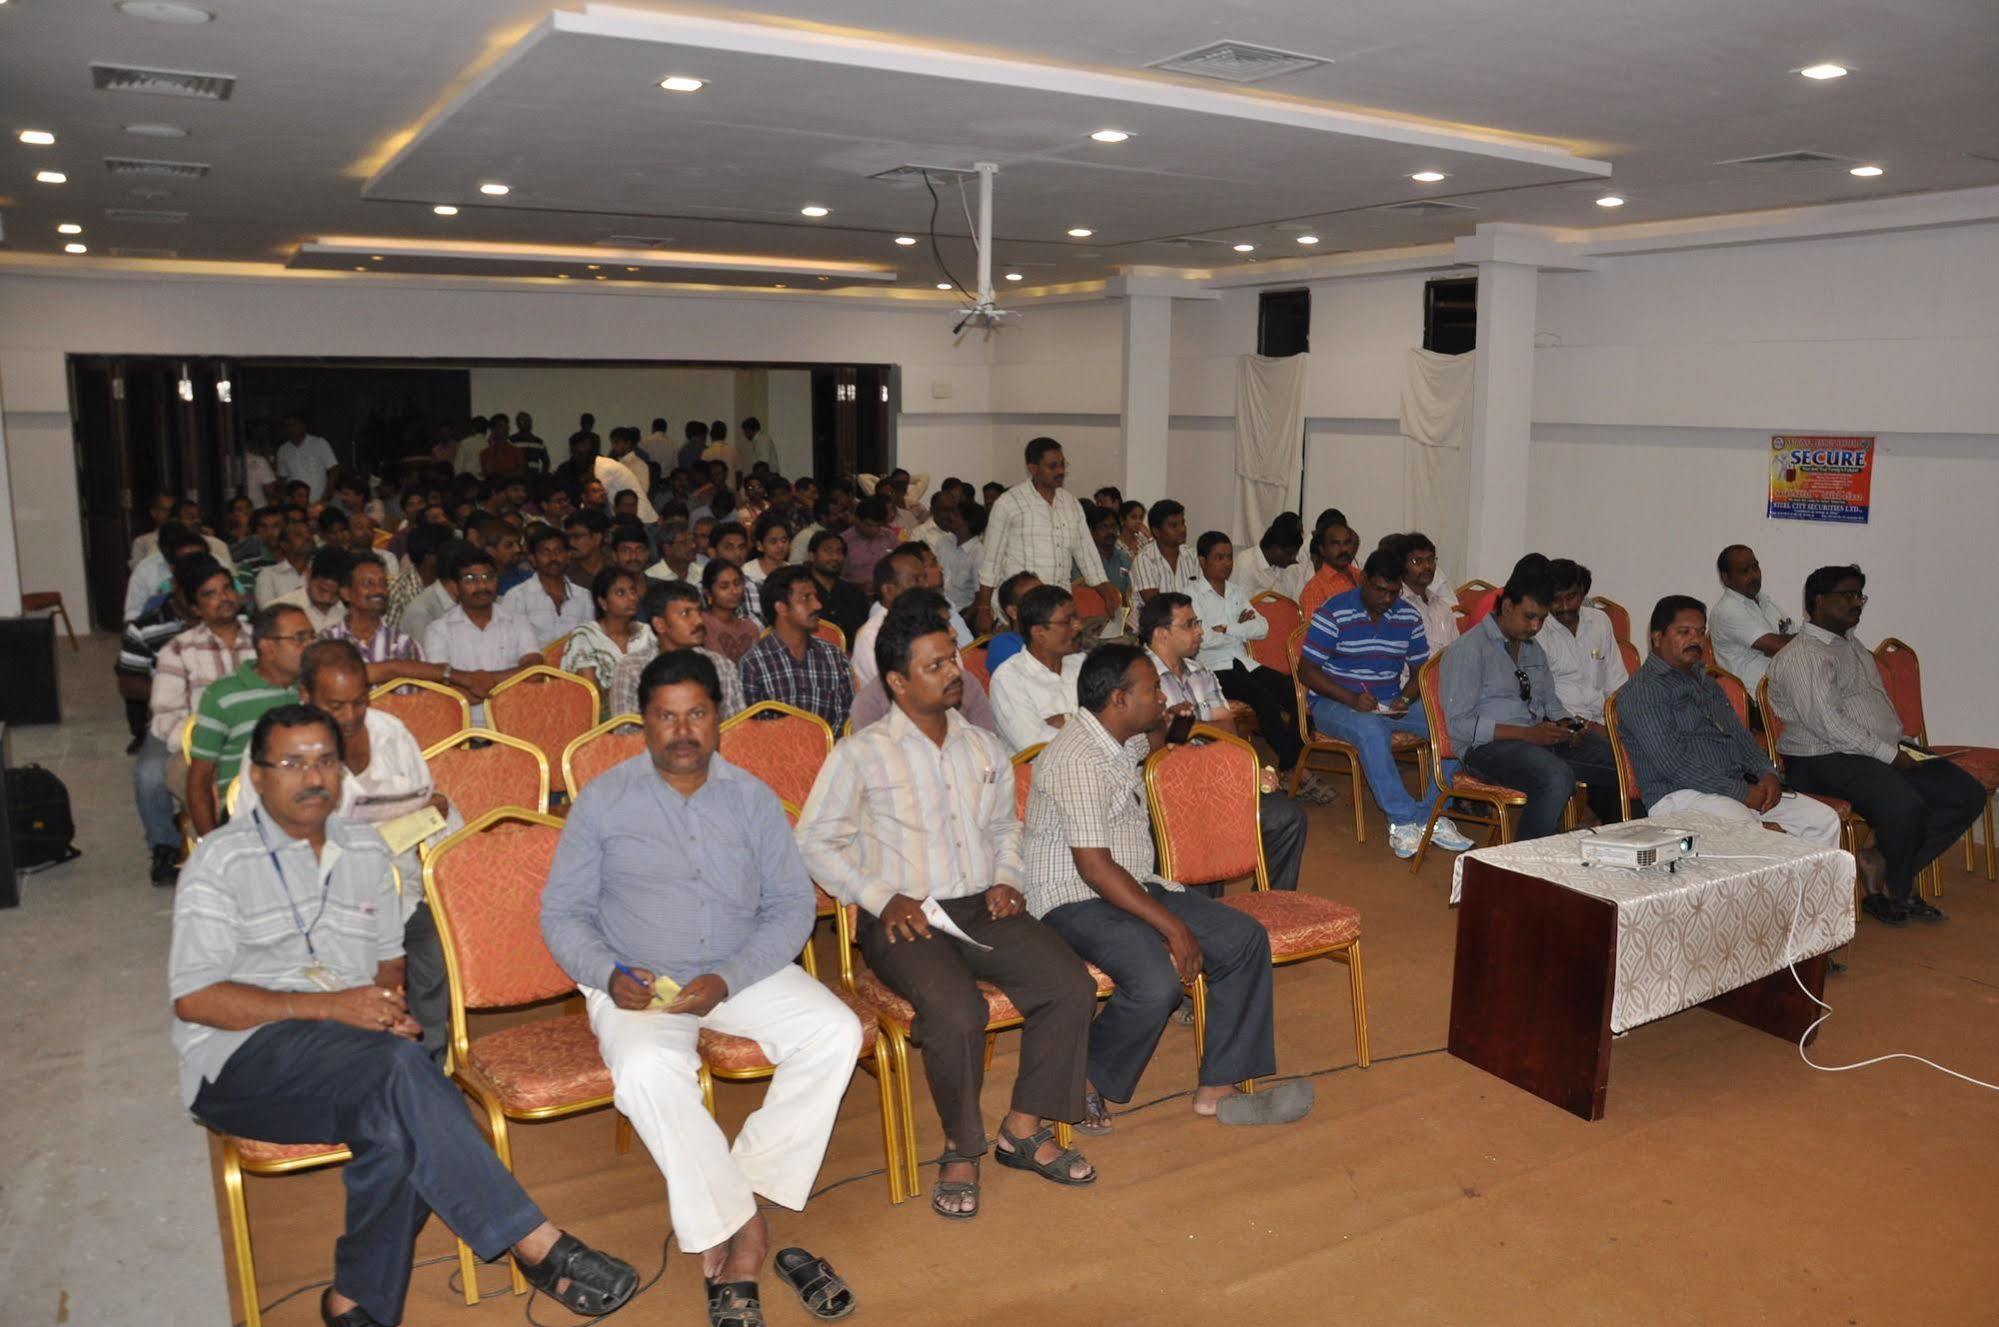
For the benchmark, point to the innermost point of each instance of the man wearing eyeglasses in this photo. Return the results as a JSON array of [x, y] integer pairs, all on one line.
[[479, 638], [1842, 738], [229, 710], [1506, 721]]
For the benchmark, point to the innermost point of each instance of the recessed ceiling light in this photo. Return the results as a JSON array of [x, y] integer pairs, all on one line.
[[360, 269], [943, 285], [905, 240], [1824, 71], [681, 83], [1429, 176], [156, 130], [592, 266], [1080, 232], [37, 137], [1245, 248], [1013, 276], [1610, 200], [374, 258], [1865, 172], [51, 177], [631, 269], [601, 277], [1110, 135], [445, 210], [562, 276], [69, 228], [1308, 239], [813, 210], [496, 190], [163, 11], [76, 248]]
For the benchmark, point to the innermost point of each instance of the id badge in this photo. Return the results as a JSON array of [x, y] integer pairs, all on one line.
[[319, 975]]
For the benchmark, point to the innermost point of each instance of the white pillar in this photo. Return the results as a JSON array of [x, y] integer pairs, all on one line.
[[10, 558], [1502, 419], [1148, 376]]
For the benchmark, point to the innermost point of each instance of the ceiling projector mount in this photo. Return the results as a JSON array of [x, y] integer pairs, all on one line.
[[984, 311]]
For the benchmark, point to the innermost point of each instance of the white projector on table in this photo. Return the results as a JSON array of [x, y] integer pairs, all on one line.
[[1636, 846]]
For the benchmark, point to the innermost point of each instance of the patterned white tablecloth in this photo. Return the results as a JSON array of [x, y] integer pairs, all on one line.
[[1749, 904]]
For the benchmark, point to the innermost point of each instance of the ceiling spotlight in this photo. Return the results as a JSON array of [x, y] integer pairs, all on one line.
[[156, 131], [37, 137], [163, 11], [1245, 248], [51, 177], [1080, 232], [1013, 276], [1824, 71], [1610, 200], [374, 258], [75, 248], [1110, 135], [943, 285], [813, 210], [496, 190], [1429, 176], [601, 277], [1308, 239], [69, 228], [631, 269], [445, 210], [681, 83], [360, 269], [1865, 172], [592, 266], [905, 240]]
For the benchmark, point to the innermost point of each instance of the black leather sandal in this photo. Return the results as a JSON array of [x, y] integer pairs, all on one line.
[[734, 1304], [1018, 1154], [943, 1189], [825, 1296], [354, 1317], [598, 1283]]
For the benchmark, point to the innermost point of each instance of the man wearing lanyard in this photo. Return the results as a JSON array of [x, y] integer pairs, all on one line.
[[286, 974]]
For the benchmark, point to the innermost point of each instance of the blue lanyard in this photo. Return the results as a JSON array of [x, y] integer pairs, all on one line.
[[298, 918]]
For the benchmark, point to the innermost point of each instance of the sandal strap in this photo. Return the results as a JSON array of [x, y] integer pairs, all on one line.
[[734, 1304], [598, 1282], [1029, 1145]]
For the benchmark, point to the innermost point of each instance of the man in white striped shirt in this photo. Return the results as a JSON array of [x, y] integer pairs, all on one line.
[[912, 818], [1037, 526]]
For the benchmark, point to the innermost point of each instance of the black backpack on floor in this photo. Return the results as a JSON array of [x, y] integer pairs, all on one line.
[[43, 831]]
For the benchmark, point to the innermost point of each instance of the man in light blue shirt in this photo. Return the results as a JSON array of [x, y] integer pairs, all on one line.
[[677, 901]]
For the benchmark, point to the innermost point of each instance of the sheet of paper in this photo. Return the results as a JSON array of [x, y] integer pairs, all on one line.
[[665, 990], [405, 832], [933, 912]]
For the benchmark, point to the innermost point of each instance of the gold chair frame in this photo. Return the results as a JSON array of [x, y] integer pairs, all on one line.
[[578, 742], [496, 738]]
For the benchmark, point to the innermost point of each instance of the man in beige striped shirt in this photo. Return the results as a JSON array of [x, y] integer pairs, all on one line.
[[912, 818]]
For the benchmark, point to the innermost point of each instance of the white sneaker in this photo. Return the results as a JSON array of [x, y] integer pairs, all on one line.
[[1449, 837], [1404, 839]]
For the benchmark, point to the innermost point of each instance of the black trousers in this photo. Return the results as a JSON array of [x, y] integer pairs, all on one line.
[[426, 981], [415, 1146], [1548, 775], [940, 976], [1271, 697], [1916, 813]]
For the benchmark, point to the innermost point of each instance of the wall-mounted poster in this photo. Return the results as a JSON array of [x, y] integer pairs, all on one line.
[[1815, 477]]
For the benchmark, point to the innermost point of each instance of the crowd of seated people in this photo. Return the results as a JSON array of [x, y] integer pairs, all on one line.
[[688, 580]]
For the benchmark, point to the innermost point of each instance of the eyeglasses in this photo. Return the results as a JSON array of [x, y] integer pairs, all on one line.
[[1526, 687], [478, 578], [326, 764], [295, 638]]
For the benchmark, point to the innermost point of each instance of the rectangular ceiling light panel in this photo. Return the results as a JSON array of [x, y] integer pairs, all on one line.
[[162, 82]]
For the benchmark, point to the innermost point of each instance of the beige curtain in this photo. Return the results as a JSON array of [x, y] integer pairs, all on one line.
[[1269, 439], [1436, 421]]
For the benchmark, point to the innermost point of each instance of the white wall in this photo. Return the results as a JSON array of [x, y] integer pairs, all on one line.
[[788, 419]]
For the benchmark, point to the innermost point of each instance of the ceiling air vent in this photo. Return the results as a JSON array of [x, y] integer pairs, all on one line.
[[1426, 208], [162, 82], [170, 170], [1791, 162], [144, 215], [1237, 62]]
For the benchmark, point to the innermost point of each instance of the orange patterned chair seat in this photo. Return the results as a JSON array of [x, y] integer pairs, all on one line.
[[256, 1152], [736, 1056], [875, 994], [549, 1062], [1467, 782], [1298, 923], [1980, 762]]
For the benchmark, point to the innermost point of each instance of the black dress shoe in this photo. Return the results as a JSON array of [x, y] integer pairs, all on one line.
[[1921, 910], [132, 747], [1886, 909], [354, 1317], [166, 867]]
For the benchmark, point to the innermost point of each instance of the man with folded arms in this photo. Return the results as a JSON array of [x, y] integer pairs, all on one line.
[[1034, 692], [1090, 873], [286, 971], [912, 818], [677, 901], [1842, 738]]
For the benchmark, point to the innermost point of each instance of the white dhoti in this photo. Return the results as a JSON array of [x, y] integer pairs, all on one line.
[[1797, 815], [712, 1185]]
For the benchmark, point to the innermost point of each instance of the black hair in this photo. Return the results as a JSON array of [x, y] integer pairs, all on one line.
[[718, 430], [1383, 564], [330, 564], [712, 572], [1287, 532], [173, 535], [1825, 580], [540, 533], [291, 716], [1038, 605], [874, 507], [1163, 511], [1104, 674], [723, 529], [1568, 574], [460, 556], [676, 666], [324, 655], [427, 540], [1037, 449], [885, 573], [1529, 583], [820, 538], [1095, 515], [1011, 589], [264, 622], [1158, 612], [661, 593], [601, 583], [1209, 542], [1536, 564], [1672, 606], [596, 522], [913, 615], [629, 532], [777, 589], [767, 522], [1416, 542], [194, 570], [1721, 559], [975, 518]]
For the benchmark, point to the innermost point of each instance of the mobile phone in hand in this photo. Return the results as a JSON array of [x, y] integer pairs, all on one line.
[[1180, 729]]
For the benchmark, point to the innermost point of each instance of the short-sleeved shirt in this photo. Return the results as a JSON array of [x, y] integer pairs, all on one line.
[[1150, 571], [1326, 583], [459, 641], [387, 645], [1362, 653], [228, 712], [254, 906], [1087, 793], [551, 621], [818, 684], [145, 636], [590, 648], [1735, 624]]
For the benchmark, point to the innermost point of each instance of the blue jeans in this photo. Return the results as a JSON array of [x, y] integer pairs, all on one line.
[[1370, 734], [149, 790]]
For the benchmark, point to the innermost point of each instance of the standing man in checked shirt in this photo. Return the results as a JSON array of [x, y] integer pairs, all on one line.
[[912, 819], [1037, 526]]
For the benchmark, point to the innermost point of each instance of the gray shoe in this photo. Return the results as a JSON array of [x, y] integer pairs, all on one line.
[[1285, 1103]]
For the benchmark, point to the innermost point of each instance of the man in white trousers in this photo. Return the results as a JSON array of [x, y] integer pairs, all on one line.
[[677, 900]]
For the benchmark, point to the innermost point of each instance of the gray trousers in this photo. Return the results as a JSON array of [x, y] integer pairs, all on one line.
[[426, 985]]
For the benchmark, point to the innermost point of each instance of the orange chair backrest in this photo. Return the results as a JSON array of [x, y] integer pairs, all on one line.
[[1619, 615], [1023, 777], [1430, 684], [499, 771], [1294, 647], [1902, 674], [546, 707], [1204, 800], [1630, 655], [831, 633], [551, 653], [1089, 603], [611, 742], [780, 744], [1731, 686], [1773, 725], [973, 657], [484, 884], [430, 710], [1284, 616], [1627, 779], [1471, 592]]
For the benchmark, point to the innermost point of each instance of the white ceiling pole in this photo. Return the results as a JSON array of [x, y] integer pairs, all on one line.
[[986, 170]]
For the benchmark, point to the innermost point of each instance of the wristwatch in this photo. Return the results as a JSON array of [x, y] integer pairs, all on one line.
[[447, 672]]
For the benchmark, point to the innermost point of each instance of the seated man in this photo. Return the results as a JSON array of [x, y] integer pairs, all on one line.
[[1172, 635], [1688, 750], [319, 598], [1358, 650], [481, 642], [553, 604], [1508, 724], [1436, 605], [1090, 874], [1008, 641], [908, 820], [230, 708], [792, 663], [1165, 563], [839, 602], [288, 573], [1842, 738], [673, 610], [677, 901], [291, 1028], [389, 653], [1338, 545], [1746, 625], [1580, 643], [1035, 691], [1274, 565], [900, 570]]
